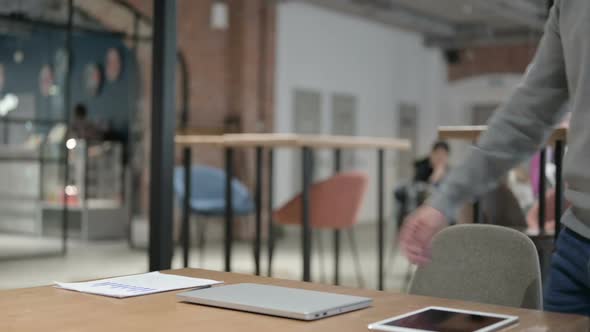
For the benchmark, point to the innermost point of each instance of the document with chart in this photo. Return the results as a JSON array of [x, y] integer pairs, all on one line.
[[137, 285]]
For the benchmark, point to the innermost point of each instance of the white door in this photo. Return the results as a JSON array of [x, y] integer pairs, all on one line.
[[344, 123], [407, 129], [307, 119]]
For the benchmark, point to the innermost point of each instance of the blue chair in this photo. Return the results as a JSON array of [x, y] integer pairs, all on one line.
[[208, 196]]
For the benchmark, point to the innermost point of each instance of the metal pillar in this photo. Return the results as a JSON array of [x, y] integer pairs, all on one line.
[[381, 216], [186, 208], [270, 209], [68, 106], [229, 211], [258, 198], [337, 233], [185, 90], [162, 134], [130, 181], [476, 206], [306, 232], [477, 212]]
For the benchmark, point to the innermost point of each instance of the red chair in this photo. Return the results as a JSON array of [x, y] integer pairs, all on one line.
[[335, 204]]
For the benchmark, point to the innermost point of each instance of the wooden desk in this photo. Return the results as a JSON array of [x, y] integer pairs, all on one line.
[[51, 309]]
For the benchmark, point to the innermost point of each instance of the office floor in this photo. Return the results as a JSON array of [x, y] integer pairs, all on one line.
[[110, 258]]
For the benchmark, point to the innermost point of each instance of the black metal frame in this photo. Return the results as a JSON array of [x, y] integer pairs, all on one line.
[[68, 105], [186, 208], [162, 134], [381, 217], [229, 212], [131, 140], [337, 233], [258, 201], [271, 230], [305, 206]]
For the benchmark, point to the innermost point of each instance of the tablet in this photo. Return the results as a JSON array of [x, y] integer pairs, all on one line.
[[439, 319]]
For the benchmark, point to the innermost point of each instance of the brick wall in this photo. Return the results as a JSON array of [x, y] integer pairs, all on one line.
[[231, 73], [229, 69]]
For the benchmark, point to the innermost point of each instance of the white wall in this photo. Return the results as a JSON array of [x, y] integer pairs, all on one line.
[[382, 66], [462, 95]]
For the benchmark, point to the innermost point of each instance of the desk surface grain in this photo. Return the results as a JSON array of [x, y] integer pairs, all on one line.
[[51, 309]]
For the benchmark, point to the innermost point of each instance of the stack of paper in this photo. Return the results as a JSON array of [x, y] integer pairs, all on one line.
[[136, 285]]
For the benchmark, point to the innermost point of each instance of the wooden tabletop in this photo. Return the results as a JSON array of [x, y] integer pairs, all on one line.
[[51, 309], [294, 141], [472, 133]]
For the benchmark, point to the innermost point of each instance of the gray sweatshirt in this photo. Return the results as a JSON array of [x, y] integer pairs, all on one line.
[[559, 71]]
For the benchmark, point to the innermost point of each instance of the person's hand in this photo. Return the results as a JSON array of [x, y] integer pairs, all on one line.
[[417, 233]]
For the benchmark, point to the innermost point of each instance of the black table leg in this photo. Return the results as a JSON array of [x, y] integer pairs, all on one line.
[[186, 209], [381, 216], [258, 198], [559, 203], [229, 211], [477, 206], [337, 169], [542, 191], [476, 212], [270, 209], [306, 232]]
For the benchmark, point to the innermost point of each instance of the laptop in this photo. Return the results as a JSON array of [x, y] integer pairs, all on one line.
[[276, 301]]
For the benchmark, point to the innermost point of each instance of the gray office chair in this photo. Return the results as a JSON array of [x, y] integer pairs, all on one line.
[[482, 263]]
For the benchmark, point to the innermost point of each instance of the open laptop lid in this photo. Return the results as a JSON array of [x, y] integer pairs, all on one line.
[[277, 301]]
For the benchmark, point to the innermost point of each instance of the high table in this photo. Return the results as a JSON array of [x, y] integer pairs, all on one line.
[[558, 139], [306, 143], [50, 309]]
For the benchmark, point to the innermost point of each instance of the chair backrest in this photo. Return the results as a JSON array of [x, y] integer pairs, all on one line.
[[482, 263], [208, 183], [335, 203]]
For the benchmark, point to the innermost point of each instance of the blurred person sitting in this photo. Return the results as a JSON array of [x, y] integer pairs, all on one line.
[[83, 128], [428, 172], [435, 167]]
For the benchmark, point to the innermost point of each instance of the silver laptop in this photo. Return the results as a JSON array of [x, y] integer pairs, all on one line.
[[276, 301]]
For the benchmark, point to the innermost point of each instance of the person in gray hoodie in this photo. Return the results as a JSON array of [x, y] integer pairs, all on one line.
[[560, 71]]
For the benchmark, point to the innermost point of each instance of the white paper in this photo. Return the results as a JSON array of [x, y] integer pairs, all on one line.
[[137, 285]]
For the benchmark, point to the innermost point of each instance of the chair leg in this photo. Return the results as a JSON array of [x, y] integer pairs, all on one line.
[[337, 257], [408, 278], [356, 258], [392, 253], [271, 246], [322, 262], [202, 227]]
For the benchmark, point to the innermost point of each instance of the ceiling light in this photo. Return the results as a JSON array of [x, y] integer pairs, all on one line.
[[219, 19], [71, 144]]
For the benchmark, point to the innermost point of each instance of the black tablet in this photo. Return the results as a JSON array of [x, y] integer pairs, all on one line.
[[439, 319]]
